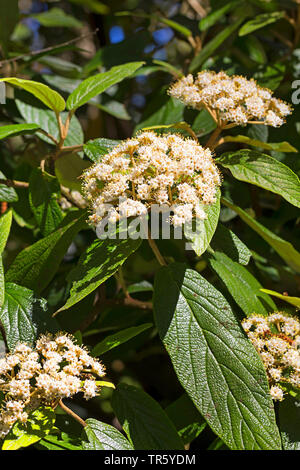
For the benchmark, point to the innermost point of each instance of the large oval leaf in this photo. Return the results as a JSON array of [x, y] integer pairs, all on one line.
[[144, 421], [213, 359], [264, 171], [96, 84], [50, 98]]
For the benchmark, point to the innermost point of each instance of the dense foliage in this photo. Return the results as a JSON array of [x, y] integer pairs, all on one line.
[[190, 104]]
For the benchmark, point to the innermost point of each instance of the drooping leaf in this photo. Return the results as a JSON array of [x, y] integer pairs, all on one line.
[[205, 229], [56, 17], [285, 249], [146, 424], [264, 171], [102, 436], [50, 98], [35, 266], [96, 84], [229, 243], [260, 21], [242, 285], [100, 261], [17, 129], [39, 423], [188, 421], [116, 339], [278, 146], [23, 316], [286, 298], [214, 361], [44, 191]]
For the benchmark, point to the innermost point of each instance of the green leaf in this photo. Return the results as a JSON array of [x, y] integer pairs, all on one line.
[[116, 339], [214, 44], [213, 359], [5, 224], [95, 149], [40, 422], [56, 17], [23, 316], [146, 424], [168, 112], [226, 241], [289, 418], [260, 21], [242, 285], [2, 283], [204, 123], [100, 261], [216, 15], [186, 418], [9, 16], [47, 121], [202, 236], [62, 442], [286, 298], [17, 129], [68, 168], [102, 436], [44, 191], [35, 266], [277, 146], [264, 171], [96, 84], [284, 249], [50, 98], [7, 194]]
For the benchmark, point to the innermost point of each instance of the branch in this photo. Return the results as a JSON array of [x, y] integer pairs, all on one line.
[[47, 49], [14, 183], [71, 413]]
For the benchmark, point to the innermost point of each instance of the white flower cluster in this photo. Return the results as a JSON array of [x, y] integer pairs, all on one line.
[[277, 340], [152, 169], [231, 99], [56, 368]]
